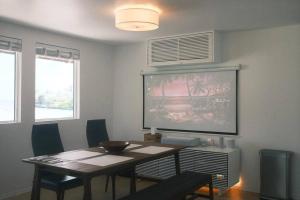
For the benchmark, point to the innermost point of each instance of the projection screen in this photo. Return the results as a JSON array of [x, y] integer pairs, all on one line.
[[191, 102]]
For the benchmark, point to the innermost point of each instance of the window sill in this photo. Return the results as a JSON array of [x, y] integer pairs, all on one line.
[[56, 119], [9, 122]]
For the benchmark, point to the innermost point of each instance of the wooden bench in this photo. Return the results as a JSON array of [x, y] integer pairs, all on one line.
[[175, 188]]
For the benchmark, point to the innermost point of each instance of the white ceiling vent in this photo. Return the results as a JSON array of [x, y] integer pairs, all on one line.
[[183, 49]]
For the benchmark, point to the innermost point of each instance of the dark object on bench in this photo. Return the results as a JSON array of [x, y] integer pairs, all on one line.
[[175, 188]]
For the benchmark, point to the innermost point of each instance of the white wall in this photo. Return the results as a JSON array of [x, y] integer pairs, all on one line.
[[269, 95], [96, 102]]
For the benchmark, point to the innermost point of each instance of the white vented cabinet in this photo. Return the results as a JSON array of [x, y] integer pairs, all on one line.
[[184, 49], [223, 164]]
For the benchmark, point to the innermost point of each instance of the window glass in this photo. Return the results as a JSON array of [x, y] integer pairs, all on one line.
[[7, 86], [54, 89]]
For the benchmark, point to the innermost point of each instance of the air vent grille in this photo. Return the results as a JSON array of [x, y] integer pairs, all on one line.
[[195, 47], [183, 49], [164, 50]]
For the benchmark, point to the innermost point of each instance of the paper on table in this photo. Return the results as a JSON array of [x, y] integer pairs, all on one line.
[[76, 155], [152, 150], [105, 160], [131, 146]]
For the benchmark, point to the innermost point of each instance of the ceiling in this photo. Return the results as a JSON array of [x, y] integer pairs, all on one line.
[[94, 19]]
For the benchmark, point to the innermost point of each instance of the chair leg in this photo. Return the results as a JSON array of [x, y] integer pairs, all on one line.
[[113, 181], [32, 193], [36, 185], [106, 184], [60, 194]]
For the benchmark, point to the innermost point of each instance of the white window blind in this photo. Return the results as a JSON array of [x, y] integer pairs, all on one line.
[[57, 51], [10, 44]]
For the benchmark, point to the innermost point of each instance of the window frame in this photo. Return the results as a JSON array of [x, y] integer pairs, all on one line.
[[17, 88], [76, 89]]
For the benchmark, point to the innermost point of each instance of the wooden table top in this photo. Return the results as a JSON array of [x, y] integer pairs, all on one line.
[[75, 168]]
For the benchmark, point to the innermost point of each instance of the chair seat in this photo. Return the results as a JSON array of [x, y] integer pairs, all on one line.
[[59, 182]]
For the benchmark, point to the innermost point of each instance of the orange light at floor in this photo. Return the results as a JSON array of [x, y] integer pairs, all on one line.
[[236, 188], [239, 185], [205, 190]]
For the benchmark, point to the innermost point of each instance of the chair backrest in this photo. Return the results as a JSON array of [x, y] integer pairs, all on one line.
[[45, 139], [96, 132]]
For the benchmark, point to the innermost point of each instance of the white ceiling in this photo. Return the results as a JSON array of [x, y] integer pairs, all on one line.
[[94, 18]]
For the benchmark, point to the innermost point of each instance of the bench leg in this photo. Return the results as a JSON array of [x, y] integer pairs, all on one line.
[[60, 194], [211, 189]]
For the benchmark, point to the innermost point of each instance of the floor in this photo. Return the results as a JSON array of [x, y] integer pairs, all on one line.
[[123, 190]]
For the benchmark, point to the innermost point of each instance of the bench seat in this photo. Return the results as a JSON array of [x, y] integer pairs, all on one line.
[[175, 188]]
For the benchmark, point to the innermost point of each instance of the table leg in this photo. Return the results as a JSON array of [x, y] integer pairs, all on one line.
[[87, 188], [113, 184], [36, 185], [177, 163], [133, 181]]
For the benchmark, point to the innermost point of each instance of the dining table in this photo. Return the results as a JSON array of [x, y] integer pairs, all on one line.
[[92, 162]]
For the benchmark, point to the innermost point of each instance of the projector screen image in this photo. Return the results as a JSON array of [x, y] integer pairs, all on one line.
[[192, 102]]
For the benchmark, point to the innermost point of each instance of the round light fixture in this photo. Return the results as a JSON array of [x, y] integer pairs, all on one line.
[[137, 18]]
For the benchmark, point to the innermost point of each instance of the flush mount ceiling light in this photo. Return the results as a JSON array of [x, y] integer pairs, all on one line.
[[137, 17]]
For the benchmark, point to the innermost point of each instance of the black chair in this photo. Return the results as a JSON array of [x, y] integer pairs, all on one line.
[[45, 140], [96, 133]]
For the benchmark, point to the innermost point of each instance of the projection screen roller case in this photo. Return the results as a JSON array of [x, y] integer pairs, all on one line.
[[191, 101]]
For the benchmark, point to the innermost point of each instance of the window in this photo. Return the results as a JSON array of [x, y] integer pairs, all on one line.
[[56, 84], [10, 55]]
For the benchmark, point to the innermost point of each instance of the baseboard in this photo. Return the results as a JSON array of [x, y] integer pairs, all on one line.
[[14, 193]]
